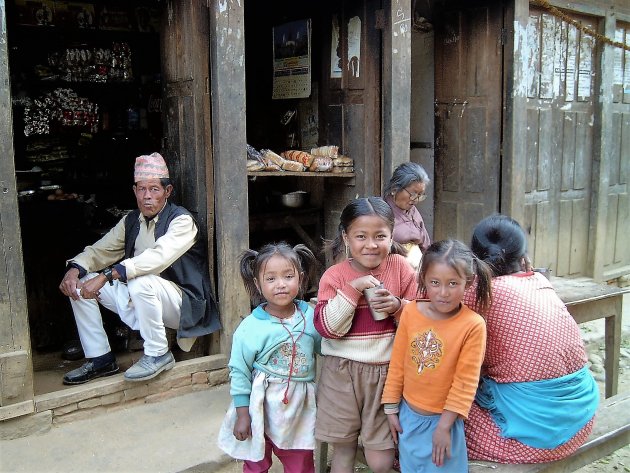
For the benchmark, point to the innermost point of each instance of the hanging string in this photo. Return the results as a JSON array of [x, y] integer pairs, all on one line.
[[294, 341], [585, 29]]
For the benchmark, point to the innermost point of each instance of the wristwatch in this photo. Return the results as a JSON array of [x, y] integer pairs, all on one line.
[[107, 272]]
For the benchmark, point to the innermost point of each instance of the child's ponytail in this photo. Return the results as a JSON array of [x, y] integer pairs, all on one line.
[[308, 266], [248, 274]]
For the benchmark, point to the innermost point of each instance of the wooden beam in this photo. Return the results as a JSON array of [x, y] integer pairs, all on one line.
[[227, 84], [602, 150], [514, 149], [16, 371], [396, 85]]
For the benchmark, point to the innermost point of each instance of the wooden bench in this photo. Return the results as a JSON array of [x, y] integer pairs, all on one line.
[[611, 432], [587, 300]]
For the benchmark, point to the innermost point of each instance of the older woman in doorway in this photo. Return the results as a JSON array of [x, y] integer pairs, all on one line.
[[404, 190]]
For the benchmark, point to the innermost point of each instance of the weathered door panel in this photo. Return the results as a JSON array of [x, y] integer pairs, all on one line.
[[617, 251], [16, 371], [350, 98], [560, 110], [468, 94]]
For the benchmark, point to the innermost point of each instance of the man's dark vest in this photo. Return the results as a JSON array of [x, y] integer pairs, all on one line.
[[200, 315]]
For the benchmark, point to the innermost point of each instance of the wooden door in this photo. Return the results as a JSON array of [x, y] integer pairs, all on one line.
[[468, 97], [16, 371], [350, 94], [559, 158], [186, 113]]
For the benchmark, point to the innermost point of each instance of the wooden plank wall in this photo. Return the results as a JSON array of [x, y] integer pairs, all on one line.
[[16, 371]]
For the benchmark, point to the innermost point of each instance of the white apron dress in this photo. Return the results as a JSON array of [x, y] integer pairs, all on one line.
[[289, 426]]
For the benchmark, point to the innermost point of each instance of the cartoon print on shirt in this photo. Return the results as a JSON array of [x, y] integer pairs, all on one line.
[[426, 350], [281, 359]]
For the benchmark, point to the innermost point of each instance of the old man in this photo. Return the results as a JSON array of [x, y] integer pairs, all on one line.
[[151, 270]]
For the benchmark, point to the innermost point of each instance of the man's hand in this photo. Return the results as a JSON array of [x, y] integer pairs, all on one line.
[[70, 284], [91, 289], [243, 425]]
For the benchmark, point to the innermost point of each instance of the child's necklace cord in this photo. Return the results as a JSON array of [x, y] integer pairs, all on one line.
[[285, 400]]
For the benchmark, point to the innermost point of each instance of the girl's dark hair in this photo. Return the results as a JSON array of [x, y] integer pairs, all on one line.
[[458, 256], [404, 175], [362, 207], [252, 262], [501, 242]]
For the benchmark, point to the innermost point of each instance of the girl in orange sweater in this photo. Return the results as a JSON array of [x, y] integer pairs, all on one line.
[[436, 360]]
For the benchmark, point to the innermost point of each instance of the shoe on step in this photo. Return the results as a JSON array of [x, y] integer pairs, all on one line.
[[149, 367], [104, 365]]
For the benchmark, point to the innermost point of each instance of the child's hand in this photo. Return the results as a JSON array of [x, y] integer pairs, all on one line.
[[243, 426], [384, 301], [441, 445], [394, 426], [362, 283]]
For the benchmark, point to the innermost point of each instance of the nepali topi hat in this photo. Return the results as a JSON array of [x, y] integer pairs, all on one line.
[[150, 166]]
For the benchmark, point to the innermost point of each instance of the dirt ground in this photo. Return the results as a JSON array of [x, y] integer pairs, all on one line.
[[617, 462]]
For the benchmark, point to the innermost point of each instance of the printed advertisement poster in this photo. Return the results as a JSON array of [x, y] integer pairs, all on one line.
[[292, 60]]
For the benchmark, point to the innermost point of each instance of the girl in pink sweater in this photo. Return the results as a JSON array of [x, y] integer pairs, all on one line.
[[356, 346]]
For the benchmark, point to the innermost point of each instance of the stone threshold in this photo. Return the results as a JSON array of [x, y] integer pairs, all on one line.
[[112, 393]]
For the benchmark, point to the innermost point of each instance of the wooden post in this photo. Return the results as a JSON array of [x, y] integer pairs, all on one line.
[[396, 85], [514, 154], [602, 149], [227, 65], [16, 370]]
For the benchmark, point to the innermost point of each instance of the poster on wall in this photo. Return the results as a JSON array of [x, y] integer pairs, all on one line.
[[292, 60]]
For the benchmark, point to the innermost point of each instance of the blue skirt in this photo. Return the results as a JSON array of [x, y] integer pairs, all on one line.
[[415, 444]]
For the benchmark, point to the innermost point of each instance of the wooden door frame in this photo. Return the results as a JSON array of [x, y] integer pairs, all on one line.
[[227, 86], [396, 86], [16, 367]]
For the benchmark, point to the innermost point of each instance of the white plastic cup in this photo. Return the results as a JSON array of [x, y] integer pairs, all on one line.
[[369, 293]]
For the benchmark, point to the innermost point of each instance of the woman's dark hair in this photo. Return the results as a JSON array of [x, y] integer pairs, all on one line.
[[252, 262], [404, 175], [458, 256], [362, 207], [501, 242]]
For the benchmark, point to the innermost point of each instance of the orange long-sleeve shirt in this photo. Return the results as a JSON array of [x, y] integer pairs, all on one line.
[[435, 364]]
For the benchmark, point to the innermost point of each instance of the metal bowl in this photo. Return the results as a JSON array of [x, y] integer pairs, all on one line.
[[295, 199]]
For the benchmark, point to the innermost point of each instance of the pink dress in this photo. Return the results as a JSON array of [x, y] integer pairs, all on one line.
[[531, 337]]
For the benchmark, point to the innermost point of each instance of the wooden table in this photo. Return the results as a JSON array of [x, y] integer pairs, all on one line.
[[587, 300]]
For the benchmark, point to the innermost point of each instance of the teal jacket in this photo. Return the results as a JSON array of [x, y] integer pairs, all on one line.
[[262, 343]]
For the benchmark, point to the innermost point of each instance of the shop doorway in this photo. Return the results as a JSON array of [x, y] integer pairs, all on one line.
[[339, 107], [86, 93]]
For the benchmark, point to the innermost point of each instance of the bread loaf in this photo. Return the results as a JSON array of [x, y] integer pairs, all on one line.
[[292, 166], [273, 157], [328, 151], [254, 165], [300, 156], [342, 160], [342, 169], [270, 165], [321, 164]]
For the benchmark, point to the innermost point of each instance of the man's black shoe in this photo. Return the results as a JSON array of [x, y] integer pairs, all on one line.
[[104, 365]]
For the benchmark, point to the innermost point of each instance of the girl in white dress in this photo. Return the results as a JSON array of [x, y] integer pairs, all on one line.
[[272, 365]]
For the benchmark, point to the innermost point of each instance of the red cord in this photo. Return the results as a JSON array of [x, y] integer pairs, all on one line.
[[293, 352]]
